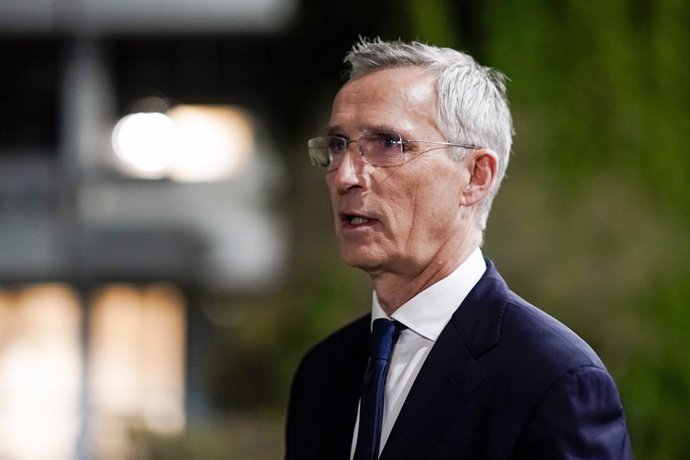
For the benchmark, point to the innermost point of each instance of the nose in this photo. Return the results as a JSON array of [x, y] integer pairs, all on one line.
[[349, 173]]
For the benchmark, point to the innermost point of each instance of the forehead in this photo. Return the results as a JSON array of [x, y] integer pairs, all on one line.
[[401, 97]]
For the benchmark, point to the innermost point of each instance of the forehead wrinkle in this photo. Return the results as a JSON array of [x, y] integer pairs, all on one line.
[[386, 107], [371, 128]]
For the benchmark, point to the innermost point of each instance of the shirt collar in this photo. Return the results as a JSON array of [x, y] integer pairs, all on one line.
[[428, 312]]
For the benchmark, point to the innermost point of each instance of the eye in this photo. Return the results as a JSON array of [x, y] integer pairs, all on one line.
[[337, 144], [387, 141]]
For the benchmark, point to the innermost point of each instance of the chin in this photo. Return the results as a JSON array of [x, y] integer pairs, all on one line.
[[360, 258]]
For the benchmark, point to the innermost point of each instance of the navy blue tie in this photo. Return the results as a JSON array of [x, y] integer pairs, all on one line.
[[383, 336]]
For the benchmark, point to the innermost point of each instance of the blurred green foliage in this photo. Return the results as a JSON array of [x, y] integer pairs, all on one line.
[[602, 106], [592, 222]]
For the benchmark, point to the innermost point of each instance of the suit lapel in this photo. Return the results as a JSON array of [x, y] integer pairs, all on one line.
[[437, 395], [450, 373]]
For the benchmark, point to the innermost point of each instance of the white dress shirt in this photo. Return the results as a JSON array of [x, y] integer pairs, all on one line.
[[425, 315]]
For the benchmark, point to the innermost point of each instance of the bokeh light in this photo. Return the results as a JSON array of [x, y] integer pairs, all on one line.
[[187, 144], [145, 144]]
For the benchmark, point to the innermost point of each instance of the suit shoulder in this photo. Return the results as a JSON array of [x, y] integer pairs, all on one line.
[[350, 337], [327, 365], [537, 338], [327, 382]]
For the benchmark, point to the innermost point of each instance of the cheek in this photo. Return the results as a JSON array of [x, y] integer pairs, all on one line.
[[407, 218], [435, 209], [399, 205], [332, 194]]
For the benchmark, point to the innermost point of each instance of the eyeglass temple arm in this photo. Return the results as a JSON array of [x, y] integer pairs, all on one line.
[[464, 146]]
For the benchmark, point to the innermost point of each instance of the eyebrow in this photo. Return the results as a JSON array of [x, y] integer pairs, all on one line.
[[334, 130], [337, 130]]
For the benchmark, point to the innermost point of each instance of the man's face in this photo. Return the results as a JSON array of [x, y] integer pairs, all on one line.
[[405, 218]]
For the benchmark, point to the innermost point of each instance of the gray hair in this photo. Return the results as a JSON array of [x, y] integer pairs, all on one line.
[[470, 98]]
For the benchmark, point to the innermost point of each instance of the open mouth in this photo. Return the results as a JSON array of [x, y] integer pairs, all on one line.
[[354, 220]]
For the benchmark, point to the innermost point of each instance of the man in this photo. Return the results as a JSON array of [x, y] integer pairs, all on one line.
[[417, 144]]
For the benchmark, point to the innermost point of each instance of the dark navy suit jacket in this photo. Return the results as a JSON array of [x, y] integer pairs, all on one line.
[[503, 381]]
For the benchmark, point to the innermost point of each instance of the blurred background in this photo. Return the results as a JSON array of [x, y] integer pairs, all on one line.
[[166, 253]]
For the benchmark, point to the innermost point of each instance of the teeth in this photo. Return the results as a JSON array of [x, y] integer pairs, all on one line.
[[356, 220]]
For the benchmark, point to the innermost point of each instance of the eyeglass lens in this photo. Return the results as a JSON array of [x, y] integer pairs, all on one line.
[[378, 149]]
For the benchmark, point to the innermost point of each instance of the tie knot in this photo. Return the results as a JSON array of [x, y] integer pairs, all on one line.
[[384, 333]]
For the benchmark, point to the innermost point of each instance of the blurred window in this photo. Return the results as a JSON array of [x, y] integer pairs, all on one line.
[[136, 364], [40, 372], [135, 373]]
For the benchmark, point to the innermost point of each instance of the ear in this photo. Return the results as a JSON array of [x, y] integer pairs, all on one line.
[[482, 166]]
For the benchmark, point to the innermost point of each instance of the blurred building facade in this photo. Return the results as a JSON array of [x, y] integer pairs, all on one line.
[[108, 238]]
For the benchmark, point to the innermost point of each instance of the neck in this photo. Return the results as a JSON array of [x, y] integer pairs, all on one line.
[[395, 289]]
